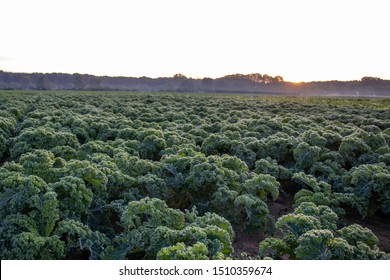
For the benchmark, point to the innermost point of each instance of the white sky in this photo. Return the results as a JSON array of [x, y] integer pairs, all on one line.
[[301, 40]]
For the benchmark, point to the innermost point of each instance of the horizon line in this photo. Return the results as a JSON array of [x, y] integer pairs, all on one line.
[[188, 77]]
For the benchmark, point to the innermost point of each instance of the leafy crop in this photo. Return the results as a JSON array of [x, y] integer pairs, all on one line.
[[174, 176]]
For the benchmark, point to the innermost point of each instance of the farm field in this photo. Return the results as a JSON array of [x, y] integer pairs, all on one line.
[[116, 175]]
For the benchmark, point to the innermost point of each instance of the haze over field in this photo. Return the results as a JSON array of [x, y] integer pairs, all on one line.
[[300, 40]]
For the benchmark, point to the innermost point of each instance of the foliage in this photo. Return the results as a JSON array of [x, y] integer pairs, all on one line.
[[311, 233], [271, 167], [41, 138], [151, 226], [322, 194], [180, 251], [370, 183], [148, 175], [305, 155], [74, 197]]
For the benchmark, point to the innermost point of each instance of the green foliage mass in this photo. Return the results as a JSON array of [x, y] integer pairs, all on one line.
[[173, 176], [151, 226], [370, 183], [310, 232]]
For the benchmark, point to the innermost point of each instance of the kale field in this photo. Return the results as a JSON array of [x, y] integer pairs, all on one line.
[[115, 175]]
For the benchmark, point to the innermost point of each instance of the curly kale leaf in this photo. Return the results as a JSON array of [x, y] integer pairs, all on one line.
[[180, 251]]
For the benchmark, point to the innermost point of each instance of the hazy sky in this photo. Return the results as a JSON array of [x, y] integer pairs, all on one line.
[[301, 40]]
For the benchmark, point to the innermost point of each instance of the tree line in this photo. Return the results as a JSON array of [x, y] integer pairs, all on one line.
[[236, 83]]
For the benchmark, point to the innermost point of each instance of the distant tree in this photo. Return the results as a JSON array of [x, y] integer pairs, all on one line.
[[208, 84], [371, 79], [179, 76], [78, 81], [187, 85], [278, 79], [43, 82], [25, 82]]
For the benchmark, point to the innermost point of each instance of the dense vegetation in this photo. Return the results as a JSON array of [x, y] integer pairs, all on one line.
[[170, 176]]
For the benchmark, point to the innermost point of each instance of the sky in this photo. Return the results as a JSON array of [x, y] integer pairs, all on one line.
[[300, 40]]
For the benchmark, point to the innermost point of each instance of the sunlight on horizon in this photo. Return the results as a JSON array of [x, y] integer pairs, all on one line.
[[300, 41]]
